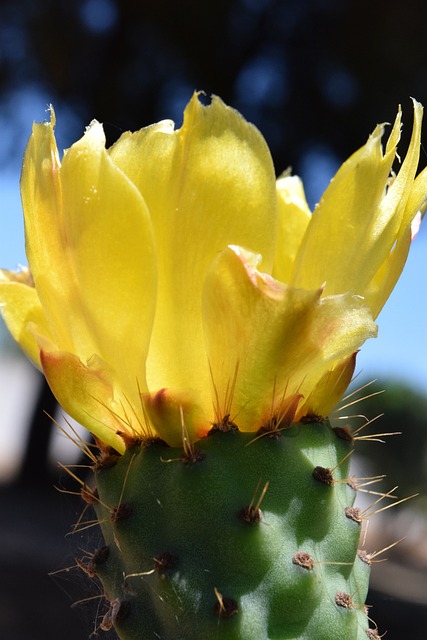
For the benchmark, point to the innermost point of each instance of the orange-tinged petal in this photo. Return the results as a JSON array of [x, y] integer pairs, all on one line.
[[111, 257], [329, 390], [177, 417], [174, 281], [91, 250], [208, 184], [85, 391], [280, 340]]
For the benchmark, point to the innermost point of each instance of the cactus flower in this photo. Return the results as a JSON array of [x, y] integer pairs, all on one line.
[[173, 283]]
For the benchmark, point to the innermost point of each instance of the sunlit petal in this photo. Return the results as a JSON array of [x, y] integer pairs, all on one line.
[[176, 416], [20, 306], [208, 184], [393, 213], [340, 247], [382, 284], [328, 390], [68, 209], [109, 247], [283, 340], [293, 218], [85, 391], [174, 286], [41, 195]]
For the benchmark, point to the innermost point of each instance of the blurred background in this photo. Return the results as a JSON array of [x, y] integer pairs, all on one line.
[[315, 76]]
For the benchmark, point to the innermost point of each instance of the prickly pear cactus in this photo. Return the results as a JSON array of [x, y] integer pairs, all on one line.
[[190, 311], [238, 537]]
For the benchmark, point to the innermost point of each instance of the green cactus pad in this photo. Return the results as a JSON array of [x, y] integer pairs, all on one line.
[[239, 537]]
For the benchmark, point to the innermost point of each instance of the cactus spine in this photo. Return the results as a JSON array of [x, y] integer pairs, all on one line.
[[239, 537]]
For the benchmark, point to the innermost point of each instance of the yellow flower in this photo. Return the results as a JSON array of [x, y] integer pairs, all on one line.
[[173, 283]]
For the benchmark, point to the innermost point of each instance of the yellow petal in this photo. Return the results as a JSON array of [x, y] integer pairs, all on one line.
[[382, 284], [91, 249], [340, 247], [417, 200], [208, 184], [176, 417], [20, 307], [111, 255], [293, 218], [393, 213], [329, 389], [198, 208], [267, 341], [86, 393], [42, 202]]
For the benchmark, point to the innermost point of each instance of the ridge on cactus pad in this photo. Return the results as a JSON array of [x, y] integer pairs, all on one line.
[[192, 313]]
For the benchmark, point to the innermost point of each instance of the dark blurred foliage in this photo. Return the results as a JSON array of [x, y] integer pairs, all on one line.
[[314, 76], [402, 458]]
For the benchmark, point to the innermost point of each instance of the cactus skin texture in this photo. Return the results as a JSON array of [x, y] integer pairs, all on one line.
[[192, 554]]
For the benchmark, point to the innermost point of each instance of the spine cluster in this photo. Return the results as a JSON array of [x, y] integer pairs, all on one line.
[[240, 537]]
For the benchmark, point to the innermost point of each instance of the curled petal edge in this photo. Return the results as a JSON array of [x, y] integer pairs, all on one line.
[[86, 393], [176, 416], [286, 341], [329, 390]]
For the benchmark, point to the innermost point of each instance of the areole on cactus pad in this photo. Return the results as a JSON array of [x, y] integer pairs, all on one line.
[[191, 312]]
